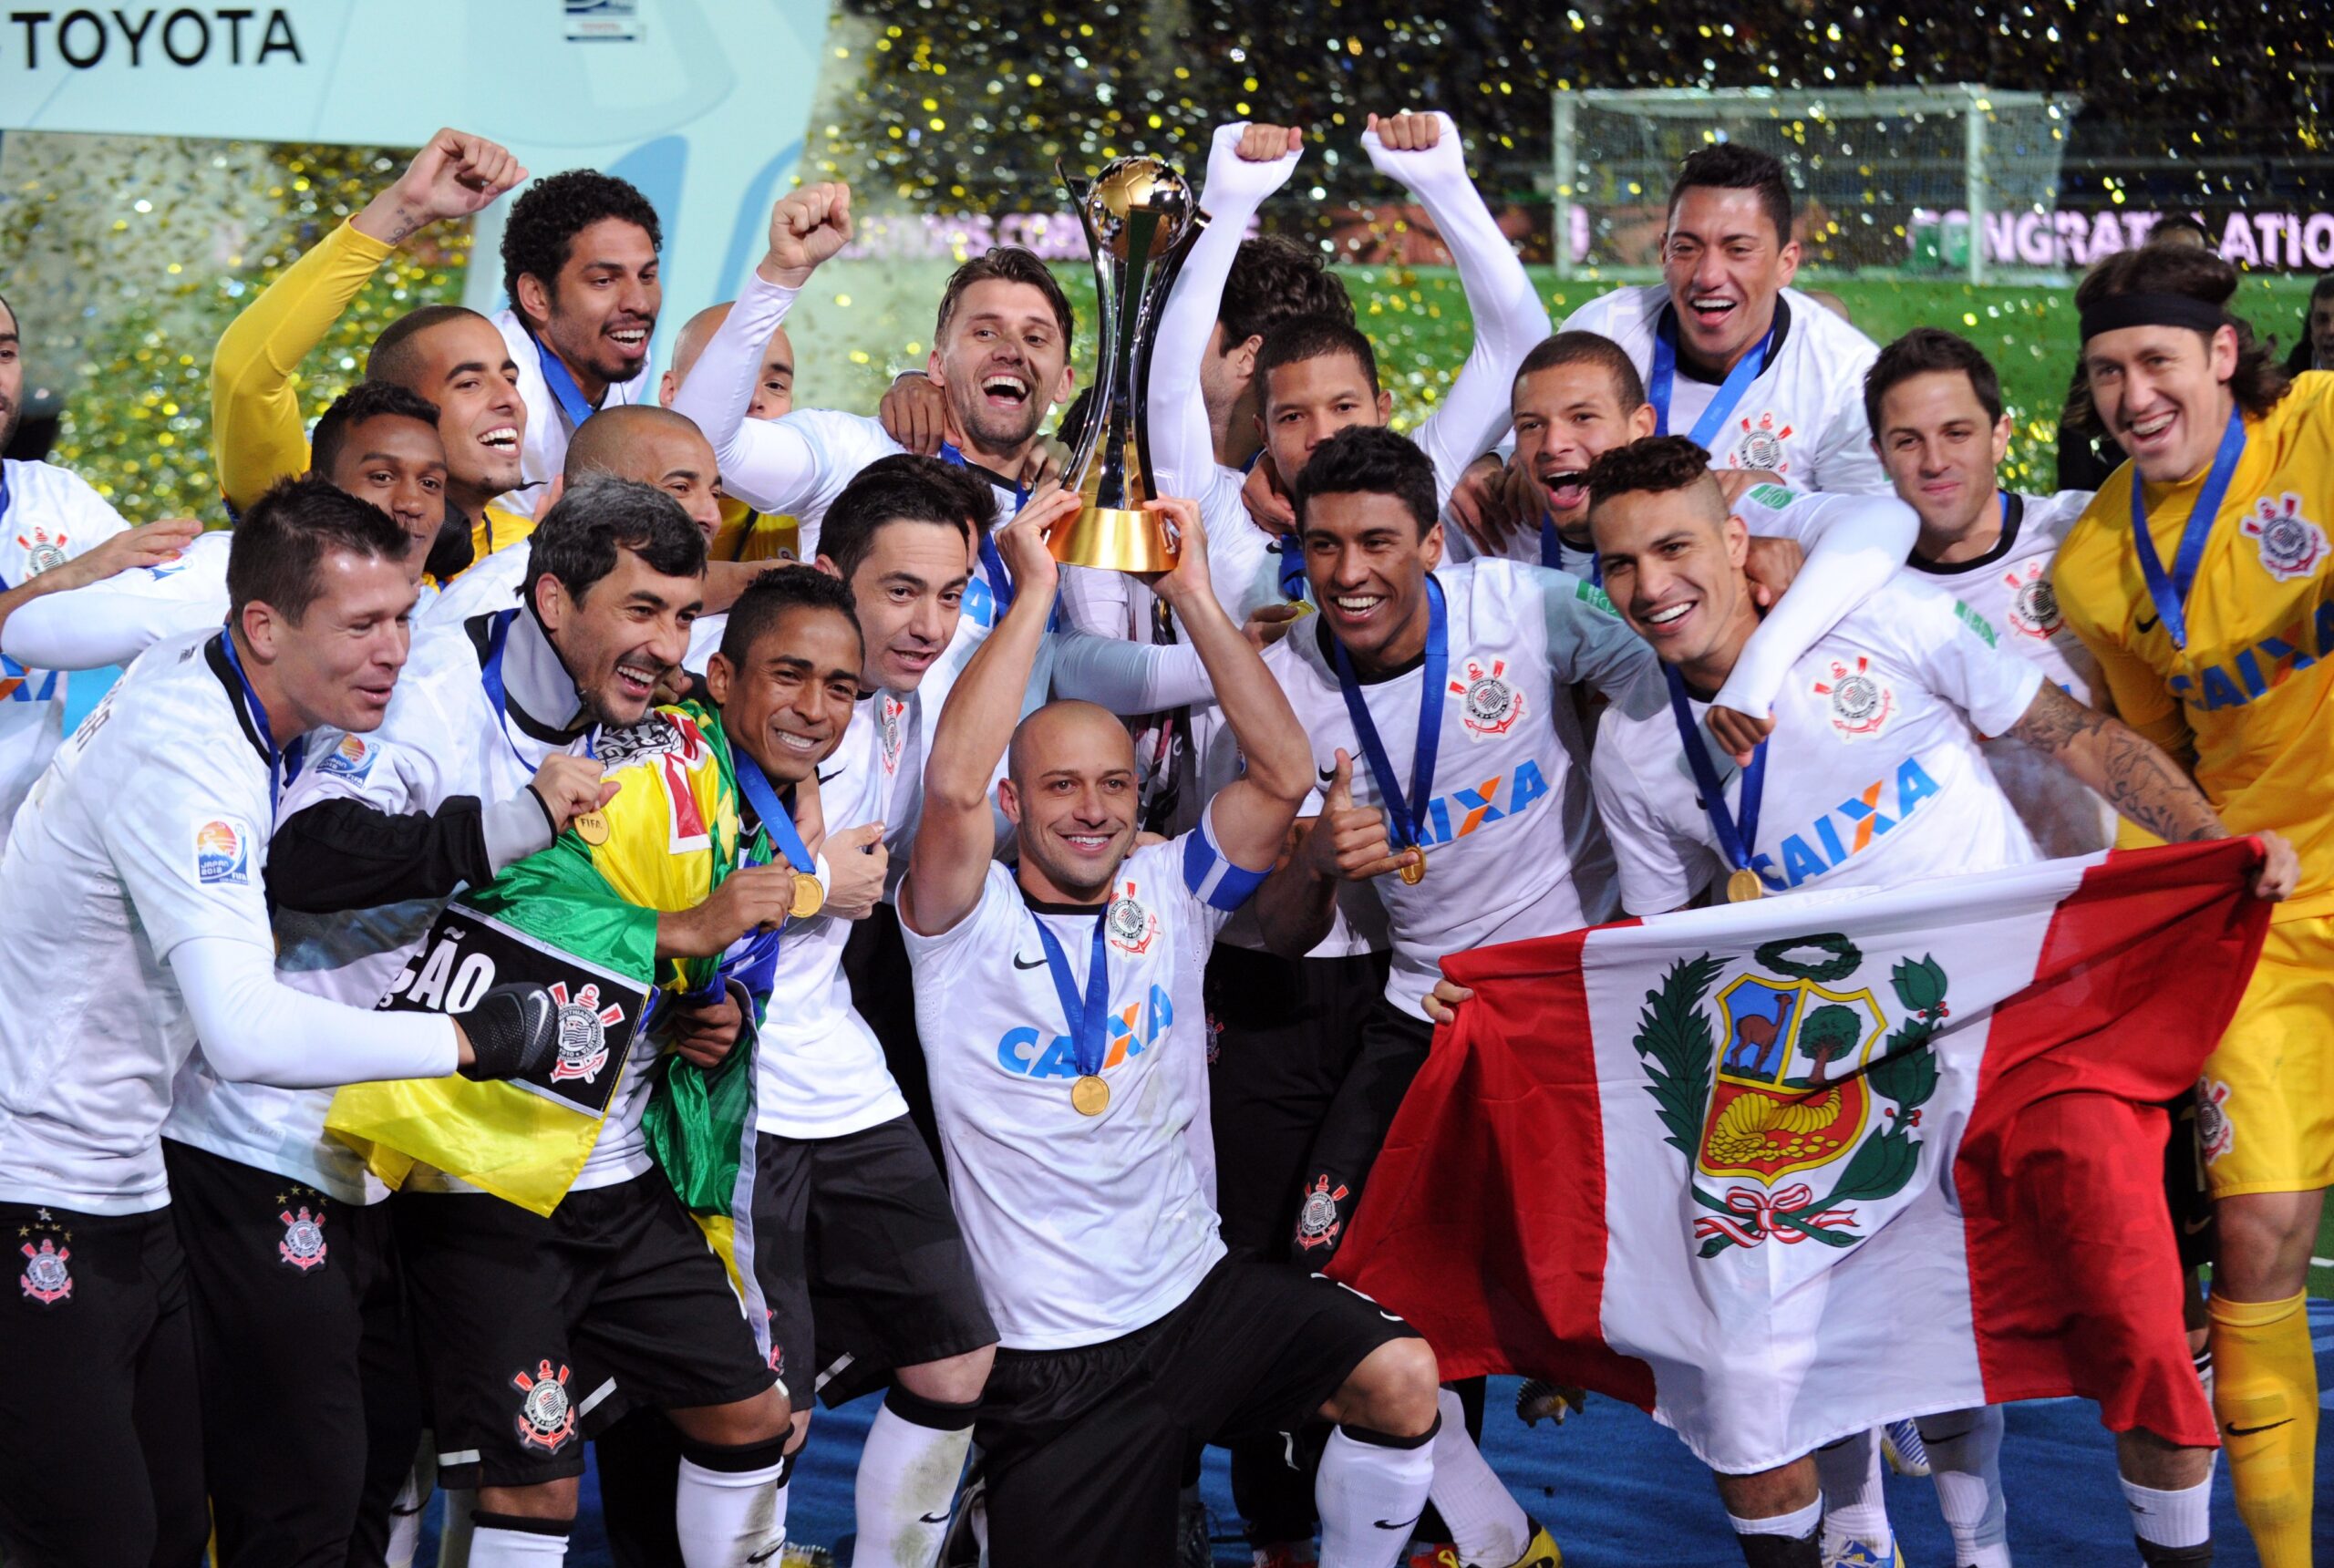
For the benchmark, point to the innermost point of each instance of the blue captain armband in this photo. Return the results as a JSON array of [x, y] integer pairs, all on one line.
[[1214, 880]]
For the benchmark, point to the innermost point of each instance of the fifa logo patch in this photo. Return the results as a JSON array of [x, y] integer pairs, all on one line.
[[42, 549], [546, 1420], [1860, 706], [2291, 545], [2033, 607], [1318, 1223], [351, 760], [1762, 446], [1491, 705], [584, 1028], [1129, 925], [2214, 1129], [303, 1247], [47, 1279], [220, 855]]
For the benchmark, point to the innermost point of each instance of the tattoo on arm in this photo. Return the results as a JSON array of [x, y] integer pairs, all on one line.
[[2132, 774]]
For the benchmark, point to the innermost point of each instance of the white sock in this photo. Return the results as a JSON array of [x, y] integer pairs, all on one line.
[[1487, 1525], [907, 1478], [493, 1548], [1795, 1526], [407, 1507], [723, 1517], [2182, 1518], [1854, 1508], [1368, 1495], [1965, 1462]]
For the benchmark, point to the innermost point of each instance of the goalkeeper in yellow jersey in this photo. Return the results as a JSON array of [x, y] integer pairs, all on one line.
[[2202, 577]]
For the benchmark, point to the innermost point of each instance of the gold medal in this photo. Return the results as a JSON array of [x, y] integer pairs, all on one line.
[[1743, 886], [1413, 871], [1090, 1094], [809, 896], [591, 827]]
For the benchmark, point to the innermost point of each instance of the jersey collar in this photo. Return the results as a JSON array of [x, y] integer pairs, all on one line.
[[2013, 514], [1775, 343], [216, 657], [535, 682]]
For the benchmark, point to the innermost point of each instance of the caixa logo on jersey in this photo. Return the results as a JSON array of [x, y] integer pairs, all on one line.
[[1028, 1052], [599, 1008]]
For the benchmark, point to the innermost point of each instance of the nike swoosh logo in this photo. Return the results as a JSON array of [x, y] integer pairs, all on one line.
[[2236, 1431], [1329, 775], [1391, 1525], [932, 1519], [767, 1556], [2190, 1227], [829, 778], [1019, 963], [2148, 623]]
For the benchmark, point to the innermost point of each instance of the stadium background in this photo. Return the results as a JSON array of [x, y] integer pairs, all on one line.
[[126, 256]]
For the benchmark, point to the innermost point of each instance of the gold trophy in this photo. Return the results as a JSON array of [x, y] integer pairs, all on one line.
[[1140, 222]]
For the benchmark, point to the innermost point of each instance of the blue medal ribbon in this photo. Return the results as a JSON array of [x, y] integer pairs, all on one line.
[[1738, 831], [754, 962], [280, 759], [1665, 373], [1407, 814], [1552, 551], [1087, 1020], [1000, 583], [5, 501], [564, 390], [2171, 593], [1291, 550], [490, 675]]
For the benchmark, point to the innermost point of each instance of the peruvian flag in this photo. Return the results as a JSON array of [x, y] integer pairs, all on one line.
[[1784, 1170]]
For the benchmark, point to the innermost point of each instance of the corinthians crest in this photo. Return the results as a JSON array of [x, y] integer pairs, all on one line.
[[43, 550], [546, 1418], [1804, 1080], [2291, 545], [584, 1028], [1130, 925], [2033, 607], [1860, 704], [1491, 705], [1762, 445]]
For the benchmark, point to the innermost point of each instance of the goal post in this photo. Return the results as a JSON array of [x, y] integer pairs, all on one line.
[[1901, 179]]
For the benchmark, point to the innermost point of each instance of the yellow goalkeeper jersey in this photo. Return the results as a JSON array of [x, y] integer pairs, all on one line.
[[2253, 691]]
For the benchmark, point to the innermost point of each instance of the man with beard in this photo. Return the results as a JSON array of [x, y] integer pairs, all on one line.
[[579, 264], [442, 353]]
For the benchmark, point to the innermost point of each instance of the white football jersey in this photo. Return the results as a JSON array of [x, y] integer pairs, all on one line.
[[1803, 415], [542, 447], [50, 515], [150, 829], [819, 1069], [1874, 774], [113, 621], [2009, 587], [1082, 1228], [1513, 849], [484, 588]]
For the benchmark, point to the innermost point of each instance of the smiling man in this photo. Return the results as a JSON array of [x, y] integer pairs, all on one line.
[[579, 266], [1761, 374], [2200, 578], [746, 533]]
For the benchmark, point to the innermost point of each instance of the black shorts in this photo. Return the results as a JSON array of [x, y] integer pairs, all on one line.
[[882, 990], [310, 1408], [1084, 1449], [101, 1425], [861, 1265], [535, 1333], [2186, 1193]]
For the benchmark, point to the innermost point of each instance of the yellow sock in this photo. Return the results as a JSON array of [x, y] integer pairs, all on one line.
[[2264, 1392]]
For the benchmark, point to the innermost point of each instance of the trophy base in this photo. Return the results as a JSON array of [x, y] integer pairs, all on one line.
[[1114, 539]]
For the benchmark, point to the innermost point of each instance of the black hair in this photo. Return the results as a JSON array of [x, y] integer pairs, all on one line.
[[1924, 350], [2259, 383], [1588, 349], [776, 591], [582, 538], [1368, 459], [394, 357], [1730, 166], [546, 218], [1656, 463], [1012, 264], [1303, 338], [2179, 223], [1275, 279], [366, 400], [276, 556], [903, 487]]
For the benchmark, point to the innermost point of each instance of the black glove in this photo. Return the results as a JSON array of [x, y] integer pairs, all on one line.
[[513, 1031]]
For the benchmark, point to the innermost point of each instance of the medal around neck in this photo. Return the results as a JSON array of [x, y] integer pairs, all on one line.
[[809, 896], [1743, 886], [1414, 871], [1090, 1095], [1141, 220]]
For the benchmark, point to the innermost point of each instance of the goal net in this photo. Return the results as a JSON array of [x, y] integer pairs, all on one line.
[[1895, 179]]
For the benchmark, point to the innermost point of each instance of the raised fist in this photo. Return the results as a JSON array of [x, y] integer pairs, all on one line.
[[806, 227]]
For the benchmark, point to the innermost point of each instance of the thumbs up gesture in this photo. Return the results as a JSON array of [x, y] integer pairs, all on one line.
[[1350, 842], [806, 227]]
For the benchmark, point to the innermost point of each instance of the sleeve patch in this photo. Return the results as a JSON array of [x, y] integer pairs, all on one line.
[[1590, 593], [1774, 497], [222, 854], [351, 760], [1976, 622]]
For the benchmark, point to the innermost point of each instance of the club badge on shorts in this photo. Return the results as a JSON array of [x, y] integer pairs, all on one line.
[[2291, 546], [546, 1418], [1860, 706], [303, 1247], [1489, 706], [1318, 1224], [47, 1279]]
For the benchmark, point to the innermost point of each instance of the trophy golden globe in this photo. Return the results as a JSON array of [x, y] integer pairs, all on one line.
[[1140, 222]]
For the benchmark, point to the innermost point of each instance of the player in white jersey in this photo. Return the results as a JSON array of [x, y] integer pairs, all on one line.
[[579, 267], [1871, 776], [1065, 1099], [145, 850], [1761, 375], [634, 1295]]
